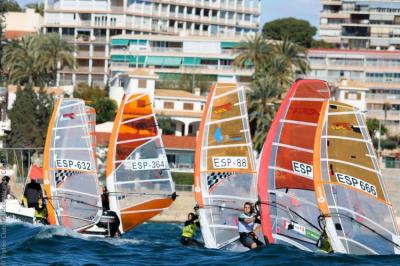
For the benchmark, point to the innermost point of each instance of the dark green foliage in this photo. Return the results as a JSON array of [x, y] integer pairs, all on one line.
[[166, 124], [276, 67], [322, 44], [97, 98], [296, 30], [35, 60], [373, 127], [386, 144], [38, 7], [29, 117], [183, 178], [10, 6]]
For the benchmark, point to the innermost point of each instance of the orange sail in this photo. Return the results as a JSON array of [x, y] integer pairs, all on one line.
[[138, 175]]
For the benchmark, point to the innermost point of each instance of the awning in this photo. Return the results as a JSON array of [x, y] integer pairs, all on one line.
[[228, 44], [155, 60], [172, 61], [120, 42], [191, 61]]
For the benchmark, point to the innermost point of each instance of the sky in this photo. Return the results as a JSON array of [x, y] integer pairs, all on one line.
[[303, 9], [273, 9]]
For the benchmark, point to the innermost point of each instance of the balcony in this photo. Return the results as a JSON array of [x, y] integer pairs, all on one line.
[[98, 69], [382, 96], [380, 114]]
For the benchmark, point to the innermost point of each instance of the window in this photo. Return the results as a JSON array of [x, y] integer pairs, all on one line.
[[168, 105], [188, 106], [142, 84], [352, 96]]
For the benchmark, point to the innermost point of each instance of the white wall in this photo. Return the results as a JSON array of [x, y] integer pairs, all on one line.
[[202, 47]]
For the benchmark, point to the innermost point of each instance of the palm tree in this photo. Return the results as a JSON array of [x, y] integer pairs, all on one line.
[[55, 54], [276, 67], [263, 102], [21, 62], [254, 50]]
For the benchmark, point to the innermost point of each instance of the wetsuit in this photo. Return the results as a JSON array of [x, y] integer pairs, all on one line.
[[105, 202], [4, 191], [33, 192], [246, 231], [189, 231], [41, 214]]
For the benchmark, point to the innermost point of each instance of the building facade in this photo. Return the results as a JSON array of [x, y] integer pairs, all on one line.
[[19, 24], [361, 24], [178, 59], [377, 72], [90, 24]]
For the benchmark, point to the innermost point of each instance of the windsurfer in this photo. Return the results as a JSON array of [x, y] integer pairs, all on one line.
[[5, 189], [32, 193], [104, 199], [41, 212], [246, 226], [189, 231]]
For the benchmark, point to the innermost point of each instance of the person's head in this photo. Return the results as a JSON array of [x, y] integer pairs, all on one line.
[[248, 208], [104, 189], [40, 201], [5, 179], [33, 180], [190, 216]]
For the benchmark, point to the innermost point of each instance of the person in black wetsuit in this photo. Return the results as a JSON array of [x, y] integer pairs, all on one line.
[[5, 189], [32, 193], [104, 199]]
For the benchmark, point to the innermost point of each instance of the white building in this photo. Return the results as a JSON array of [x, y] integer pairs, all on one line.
[[379, 71], [90, 24], [179, 59], [19, 24], [361, 24]]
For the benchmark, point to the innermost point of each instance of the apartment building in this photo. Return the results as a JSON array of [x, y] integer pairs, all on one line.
[[175, 58], [361, 24], [377, 72], [90, 24]]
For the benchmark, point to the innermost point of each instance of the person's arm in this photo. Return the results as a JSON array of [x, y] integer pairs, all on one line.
[[188, 222], [247, 220]]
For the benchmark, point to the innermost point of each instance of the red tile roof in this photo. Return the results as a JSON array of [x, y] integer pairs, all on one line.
[[170, 141], [14, 34], [179, 143]]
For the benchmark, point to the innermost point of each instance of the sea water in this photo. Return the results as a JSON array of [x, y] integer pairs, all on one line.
[[151, 244]]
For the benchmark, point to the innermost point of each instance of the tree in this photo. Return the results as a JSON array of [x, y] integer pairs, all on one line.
[[97, 98], [296, 30], [38, 7], [10, 6], [322, 44], [276, 67], [35, 60], [56, 54], [254, 50], [166, 124], [373, 127], [25, 130]]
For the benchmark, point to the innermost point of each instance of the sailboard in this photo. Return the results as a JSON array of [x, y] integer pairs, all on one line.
[[349, 186], [70, 173], [225, 170], [289, 210], [138, 174]]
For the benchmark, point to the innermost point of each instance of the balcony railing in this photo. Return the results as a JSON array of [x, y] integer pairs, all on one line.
[[379, 96]]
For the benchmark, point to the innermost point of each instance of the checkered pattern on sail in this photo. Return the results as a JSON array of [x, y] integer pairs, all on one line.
[[60, 175], [214, 178]]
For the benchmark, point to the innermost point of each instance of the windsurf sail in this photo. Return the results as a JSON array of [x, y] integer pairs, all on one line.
[[70, 174], [289, 210], [225, 172], [91, 113], [138, 174], [350, 190]]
